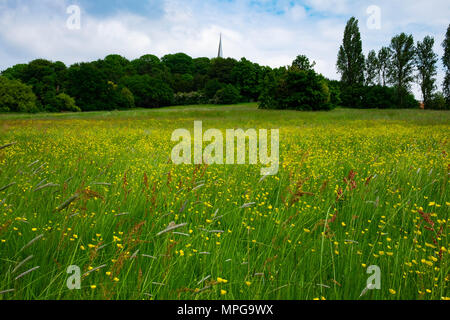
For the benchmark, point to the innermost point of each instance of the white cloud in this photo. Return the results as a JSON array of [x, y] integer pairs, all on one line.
[[263, 32]]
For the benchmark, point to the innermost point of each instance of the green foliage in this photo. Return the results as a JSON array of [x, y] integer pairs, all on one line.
[[15, 72], [401, 67], [384, 58], [190, 98], [45, 77], [182, 82], [246, 76], [211, 88], [377, 97], [222, 70], [296, 89], [372, 69], [201, 65], [125, 98], [114, 67], [335, 93], [148, 92], [179, 63], [302, 63], [350, 63], [147, 64], [89, 86], [438, 102], [16, 97], [64, 102], [446, 62], [426, 61], [227, 95], [201, 68]]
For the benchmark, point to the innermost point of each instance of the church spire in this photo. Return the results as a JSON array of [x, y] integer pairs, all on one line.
[[220, 54]]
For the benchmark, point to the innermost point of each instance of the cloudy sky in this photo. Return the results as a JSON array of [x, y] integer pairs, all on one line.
[[269, 32]]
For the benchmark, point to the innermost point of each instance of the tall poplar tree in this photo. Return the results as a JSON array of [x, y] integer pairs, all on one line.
[[372, 69], [426, 61], [446, 61], [350, 63], [384, 58], [401, 67]]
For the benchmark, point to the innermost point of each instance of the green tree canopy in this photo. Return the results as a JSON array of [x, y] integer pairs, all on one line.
[[227, 95], [149, 92], [372, 69], [89, 85], [446, 62], [426, 61], [384, 58], [147, 64], [179, 63], [401, 67], [221, 69], [245, 75], [302, 63], [350, 63], [16, 96], [295, 89]]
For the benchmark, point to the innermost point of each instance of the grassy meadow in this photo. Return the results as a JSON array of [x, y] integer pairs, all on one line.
[[355, 188]]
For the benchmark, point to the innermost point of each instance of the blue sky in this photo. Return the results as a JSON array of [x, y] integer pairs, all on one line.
[[270, 32]]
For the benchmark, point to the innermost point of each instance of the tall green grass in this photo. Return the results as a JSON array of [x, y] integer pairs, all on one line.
[[356, 188]]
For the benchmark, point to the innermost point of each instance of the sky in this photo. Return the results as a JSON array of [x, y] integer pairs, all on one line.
[[268, 32]]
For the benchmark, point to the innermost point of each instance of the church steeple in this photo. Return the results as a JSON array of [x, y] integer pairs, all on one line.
[[220, 54]]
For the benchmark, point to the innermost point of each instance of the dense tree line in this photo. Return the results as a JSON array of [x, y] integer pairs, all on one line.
[[147, 82], [382, 80], [298, 87]]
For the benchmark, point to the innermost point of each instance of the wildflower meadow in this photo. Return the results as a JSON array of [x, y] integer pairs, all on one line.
[[92, 207]]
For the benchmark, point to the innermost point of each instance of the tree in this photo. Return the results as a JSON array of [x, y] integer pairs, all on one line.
[[227, 95], [64, 102], [378, 97], [148, 92], [179, 63], [350, 63], [295, 89], [401, 67], [372, 69], [16, 96], [125, 98], [147, 64], [426, 61], [15, 72], [384, 58], [221, 69], [246, 77], [446, 62], [335, 92], [182, 82], [113, 66], [90, 87], [302, 63], [45, 77], [201, 69], [201, 66], [438, 102], [211, 88]]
